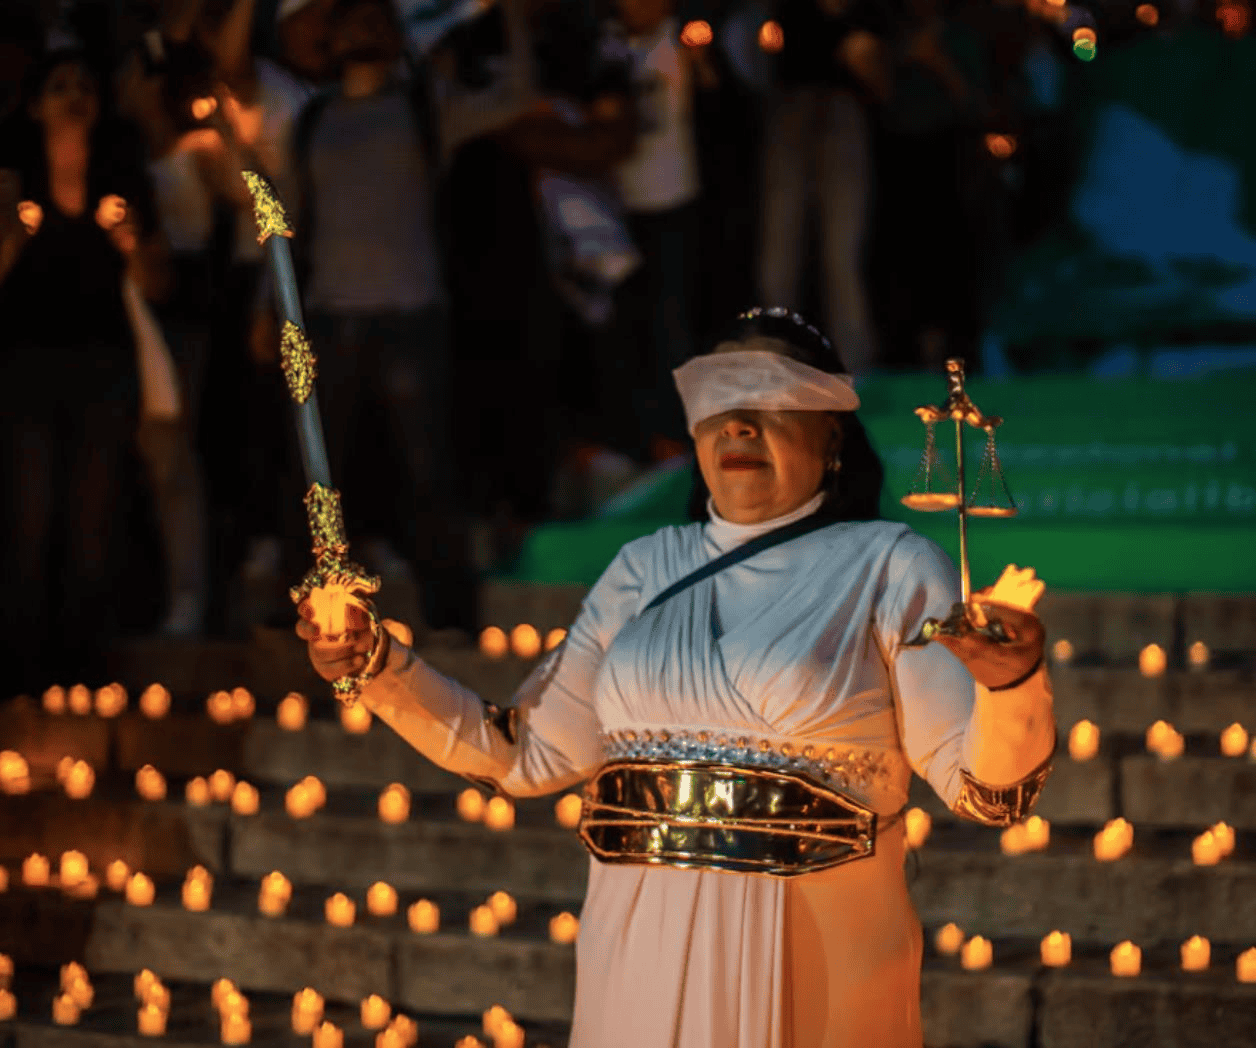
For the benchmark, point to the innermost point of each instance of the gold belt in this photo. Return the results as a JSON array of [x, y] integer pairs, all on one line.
[[721, 816]]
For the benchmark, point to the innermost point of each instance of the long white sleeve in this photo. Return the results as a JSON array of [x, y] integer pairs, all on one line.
[[949, 724], [558, 731]]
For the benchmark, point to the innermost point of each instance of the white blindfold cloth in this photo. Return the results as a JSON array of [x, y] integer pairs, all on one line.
[[754, 375]]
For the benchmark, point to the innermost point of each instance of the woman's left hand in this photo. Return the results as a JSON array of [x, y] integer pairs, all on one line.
[[994, 663]]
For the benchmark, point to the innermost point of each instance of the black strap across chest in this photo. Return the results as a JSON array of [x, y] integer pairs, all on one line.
[[735, 556]]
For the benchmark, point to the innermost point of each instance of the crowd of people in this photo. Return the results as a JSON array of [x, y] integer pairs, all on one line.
[[507, 235]]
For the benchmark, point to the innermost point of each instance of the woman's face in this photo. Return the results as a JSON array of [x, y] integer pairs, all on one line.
[[68, 98], [759, 465]]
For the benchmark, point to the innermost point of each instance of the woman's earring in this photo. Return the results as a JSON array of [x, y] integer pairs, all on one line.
[[835, 464]]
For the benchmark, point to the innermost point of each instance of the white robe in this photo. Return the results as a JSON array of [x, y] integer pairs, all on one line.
[[799, 644]]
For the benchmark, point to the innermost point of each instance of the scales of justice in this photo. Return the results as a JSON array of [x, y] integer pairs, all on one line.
[[934, 490]]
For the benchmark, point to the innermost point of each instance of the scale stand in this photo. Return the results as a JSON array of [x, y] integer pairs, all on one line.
[[933, 491]]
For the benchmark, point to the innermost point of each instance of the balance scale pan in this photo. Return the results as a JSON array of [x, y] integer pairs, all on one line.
[[931, 502]]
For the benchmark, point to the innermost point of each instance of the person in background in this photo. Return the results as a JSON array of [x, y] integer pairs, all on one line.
[[68, 366], [817, 161], [368, 154], [651, 330]]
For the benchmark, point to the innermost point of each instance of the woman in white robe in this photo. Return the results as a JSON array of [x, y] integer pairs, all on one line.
[[794, 657]]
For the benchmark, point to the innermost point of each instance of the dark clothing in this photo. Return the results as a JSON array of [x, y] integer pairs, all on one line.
[[812, 37]]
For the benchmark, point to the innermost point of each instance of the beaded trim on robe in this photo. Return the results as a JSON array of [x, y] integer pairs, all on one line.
[[834, 766]]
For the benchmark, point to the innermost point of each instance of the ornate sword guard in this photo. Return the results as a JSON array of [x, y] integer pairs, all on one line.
[[959, 623]]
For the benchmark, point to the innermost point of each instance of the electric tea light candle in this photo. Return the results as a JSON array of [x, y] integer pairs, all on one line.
[[977, 954], [493, 643], [145, 979], [220, 708], [316, 790], [918, 825], [244, 799], [340, 910], [221, 785], [197, 792], [355, 719], [79, 780], [1223, 834], [1114, 840], [1083, 741], [375, 1012], [274, 895], [499, 814], [116, 874], [1245, 966], [8, 1005], [1057, 949], [150, 783], [1205, 849], [1152, 661], [394, 804], [139, 890], [424, 917], [79, 699], [504, 908], [471, 805], [525, 641], [155, 702], [564, 928], [151, 1021], [293, 711], [64, 1011], [73, 868], [1126, 960], [1234, 741], [1196, 954], [307, 1011], [381, 899], [482, 921], [328, 1035], [567, 811], [243, 705], [36, 870]]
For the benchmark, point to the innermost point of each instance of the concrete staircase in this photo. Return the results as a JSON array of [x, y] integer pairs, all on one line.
[[1154, 895]]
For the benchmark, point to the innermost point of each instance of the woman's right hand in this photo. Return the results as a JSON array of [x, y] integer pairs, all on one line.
[[336, 657]]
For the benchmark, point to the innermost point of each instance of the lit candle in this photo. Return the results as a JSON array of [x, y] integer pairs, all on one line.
[[144, 979], [424, 917], [1197, 655], [155, 702], [54, 700], [340, 910], [244, 799], [1172, 747], [1245, 966], [6, 971], [8, 1005], [233, 1002], [236, 1028], [298, 803], [1152, 661], [389, 1038], [509, 1036], [328, 1035], [139, 890], [467, 1042], [494, 1019], [1158, 735], [1223, 833], [222, 785], [1205, 851], [63, 768], [375, 1012], [4, 879], [243, 704], [1037, 833], [110, 700], [1114, 840], [525, 642], [493, 643], [79, 780], [72, 972], [394, 803], [220, 708], [1234, 741], [554, 638], [293, 711], [317, 791], [1196, 953], [483, 922], [64, 1011], [1083, 741], [407, 1029], [73, 868], [1062, 651], [499, 814], [471, 805], [1057, 949], [158, 997], [196, 895], [197, 792], [504, 908], [151, 1021], [1014, 840], [381, 899], [150, 783], [307, 1011], [15, 775], [36, 870], [564, 928], [1126, 960], [918, 825], [976, 954], [355, 719], [274, 894], [220, 991], [79, 700], [80, 991], [568, 811]]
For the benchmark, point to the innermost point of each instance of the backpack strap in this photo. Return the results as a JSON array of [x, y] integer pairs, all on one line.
[[743, 552]]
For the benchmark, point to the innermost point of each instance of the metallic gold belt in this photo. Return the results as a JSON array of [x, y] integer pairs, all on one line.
[[721, 816]]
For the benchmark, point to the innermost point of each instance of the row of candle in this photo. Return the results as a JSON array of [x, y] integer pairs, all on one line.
[[1162, 739], [1152, 659], [497, 813], [524, 641], [1056, 951]]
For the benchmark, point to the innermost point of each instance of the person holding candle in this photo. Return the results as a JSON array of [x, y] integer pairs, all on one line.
[[787, 666]]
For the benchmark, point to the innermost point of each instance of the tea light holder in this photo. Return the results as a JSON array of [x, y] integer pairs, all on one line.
[[151, 1021], [554, 638], [197, 792], [1205, 849], [564, 928], [150, 783], [499, 814], [155, 701], [243, 705], [139, 890], [423, 917], [1152, 661], [394, 804], [375, 1012], [340, 910], [525, 641], [79, 781], [1196, 954], [568, 811], [1245, 966], [73, 868], [1083, 741], [222, 785], [504, 908], [79, 700], [471, 805], [293, 712], [54, 700], [36, 870], [1223, 834], [328, 1035], [483, 922], [355, 719], [244, 799], [1234, 741], [1056, 949], [1126, 960], [381, 899], [220, 708], [236, 1028], [494, 643], [918, 825], [65, 1012], [977, 954]]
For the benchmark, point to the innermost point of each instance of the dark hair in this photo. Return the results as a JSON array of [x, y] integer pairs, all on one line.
[[854, 491]]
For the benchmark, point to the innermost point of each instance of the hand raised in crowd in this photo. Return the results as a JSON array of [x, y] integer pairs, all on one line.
[[995, 663]]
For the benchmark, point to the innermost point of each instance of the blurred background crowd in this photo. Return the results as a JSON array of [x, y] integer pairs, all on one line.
[[512, 220]]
